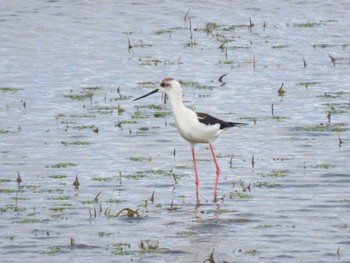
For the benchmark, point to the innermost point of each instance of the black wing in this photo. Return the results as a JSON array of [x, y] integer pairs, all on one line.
[[210, 120]]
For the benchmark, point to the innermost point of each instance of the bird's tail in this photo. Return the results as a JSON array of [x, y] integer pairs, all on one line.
[[232, 124]]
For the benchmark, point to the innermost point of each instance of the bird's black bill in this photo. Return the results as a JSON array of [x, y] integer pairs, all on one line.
[[153, 91]]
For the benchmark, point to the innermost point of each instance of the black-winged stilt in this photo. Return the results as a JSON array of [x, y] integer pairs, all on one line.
[[195, 127]]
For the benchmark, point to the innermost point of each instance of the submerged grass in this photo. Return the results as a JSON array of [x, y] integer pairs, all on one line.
[[13, 208], [280, 46], [147, 173], [82, 96], [146, 130], [267, 185], [4, 131], [278, 173], [27, 221], [76, 143], [308, 83], [325, 166], [63, 165], [146, 246], [5, 89], [308, 24], [337, 108], [196, 85], [4, 180], [169, 30], [240, 195], [52, 251], [61, 208], [329, 127], [139, 159], [8, 191]]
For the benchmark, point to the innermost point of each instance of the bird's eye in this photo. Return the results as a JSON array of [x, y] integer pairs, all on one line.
[[163, 84]]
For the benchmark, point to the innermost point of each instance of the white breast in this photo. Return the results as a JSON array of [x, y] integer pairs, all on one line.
[[192, 130]]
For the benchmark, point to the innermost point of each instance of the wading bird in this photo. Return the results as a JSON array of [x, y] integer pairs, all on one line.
[[195, 127]]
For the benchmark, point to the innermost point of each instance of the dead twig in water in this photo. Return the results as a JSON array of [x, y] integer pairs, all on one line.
[[332, 59], [19, 179], [185, 18], [76, 182], [221, 79], [130, 212], [96, 197]]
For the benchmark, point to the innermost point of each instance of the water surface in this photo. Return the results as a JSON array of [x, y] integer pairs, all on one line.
[[69, 71]]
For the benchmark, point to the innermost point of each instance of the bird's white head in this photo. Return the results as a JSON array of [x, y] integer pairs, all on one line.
[[170, 87]]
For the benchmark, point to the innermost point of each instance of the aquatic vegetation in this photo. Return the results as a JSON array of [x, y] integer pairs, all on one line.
[[282, 159], [128, 212], [84, 127], [325, 166], [4, 131], [308, 24], [251, 252], [234, 27], [88, 94], [279, 46], [58, 176], [7, 190], [338, 108], [268, 226], [267, 184], [103, 179], [149, 62], [147, 130], [151, 106], [137, 175], [195, 85], [146, 246], [122, 249], [279, 118], [336, 94], [138, 114], [109, 109], [140, 43], [147, 84], [139, 159], [240, 195], [116, 201], [278, 173], [307, 84], [186, 233], [52, 251], [169, 30], [323, 45], [76, 143], [328, 127], [161, 114], [210, 27], [10, 208], [61, 198], [104, 234], [4, 180], [27, 221], [7, 89], [60, 208]]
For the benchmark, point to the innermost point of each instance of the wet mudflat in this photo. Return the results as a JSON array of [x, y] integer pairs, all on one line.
[[88, 174]]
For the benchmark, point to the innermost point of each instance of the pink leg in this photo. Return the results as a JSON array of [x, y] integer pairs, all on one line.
[[196, 173], [217, 170]]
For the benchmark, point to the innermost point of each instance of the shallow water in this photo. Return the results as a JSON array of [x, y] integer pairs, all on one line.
[[67, 83]]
